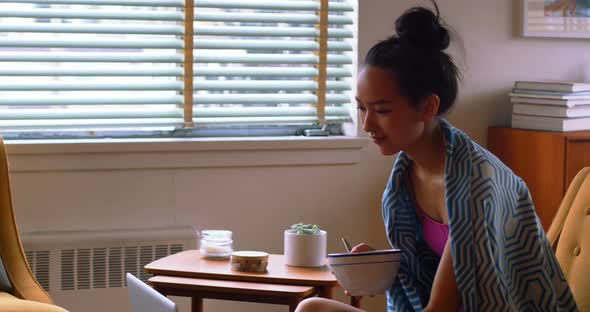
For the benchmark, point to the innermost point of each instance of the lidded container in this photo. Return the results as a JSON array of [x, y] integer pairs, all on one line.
[[216, 244]]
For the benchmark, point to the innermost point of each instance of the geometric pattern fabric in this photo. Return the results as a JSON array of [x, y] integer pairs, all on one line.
[[501, 257]]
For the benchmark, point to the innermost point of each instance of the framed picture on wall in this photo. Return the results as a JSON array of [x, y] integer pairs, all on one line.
[[556, 18]]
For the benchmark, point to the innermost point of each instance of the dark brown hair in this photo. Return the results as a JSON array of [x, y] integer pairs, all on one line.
[[415, 55]]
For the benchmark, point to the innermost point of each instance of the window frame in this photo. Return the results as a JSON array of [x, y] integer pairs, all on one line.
[[154, 154]]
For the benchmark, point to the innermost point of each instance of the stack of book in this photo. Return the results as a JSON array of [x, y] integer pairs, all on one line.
[[551, 105]]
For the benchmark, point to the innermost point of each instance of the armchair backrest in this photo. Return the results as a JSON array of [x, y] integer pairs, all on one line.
[[569, 235], [15, 262]]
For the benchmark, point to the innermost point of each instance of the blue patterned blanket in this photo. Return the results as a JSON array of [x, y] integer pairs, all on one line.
[[501, 257]]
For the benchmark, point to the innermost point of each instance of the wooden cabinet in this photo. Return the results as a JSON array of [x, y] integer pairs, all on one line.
[[546, 161]]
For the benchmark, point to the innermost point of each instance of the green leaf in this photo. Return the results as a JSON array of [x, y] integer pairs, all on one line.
[[307, 229]]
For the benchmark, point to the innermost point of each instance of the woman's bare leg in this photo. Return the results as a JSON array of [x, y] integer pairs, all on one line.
[[317, 304]]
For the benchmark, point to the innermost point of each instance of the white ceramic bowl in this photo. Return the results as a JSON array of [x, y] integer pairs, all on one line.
[[366, 273]]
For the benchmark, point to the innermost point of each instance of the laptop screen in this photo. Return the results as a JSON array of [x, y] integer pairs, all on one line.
[[143, 298]]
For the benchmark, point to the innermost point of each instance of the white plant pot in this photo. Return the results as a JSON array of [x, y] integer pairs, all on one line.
[[305, 250]]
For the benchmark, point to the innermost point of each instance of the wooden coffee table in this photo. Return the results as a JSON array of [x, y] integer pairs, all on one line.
[[187, 274]]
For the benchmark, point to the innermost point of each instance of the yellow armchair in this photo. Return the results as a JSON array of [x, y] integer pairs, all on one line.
[[569, 235], [21, 291]]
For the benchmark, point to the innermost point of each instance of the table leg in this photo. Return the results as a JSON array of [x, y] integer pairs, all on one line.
[[197, 304], [355, 301], [293, 305], [326, 292]]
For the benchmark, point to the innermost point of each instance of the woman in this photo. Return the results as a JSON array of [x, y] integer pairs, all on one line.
[[468, 232]]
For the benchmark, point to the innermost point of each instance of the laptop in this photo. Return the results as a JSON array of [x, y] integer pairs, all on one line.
[[143, 298]]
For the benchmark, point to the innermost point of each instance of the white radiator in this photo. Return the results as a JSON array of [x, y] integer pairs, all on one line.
[[68, 261]]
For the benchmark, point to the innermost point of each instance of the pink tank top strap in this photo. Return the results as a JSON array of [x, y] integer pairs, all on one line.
[[434, 232]]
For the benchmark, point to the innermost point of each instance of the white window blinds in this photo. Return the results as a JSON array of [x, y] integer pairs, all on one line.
[[173, 67]]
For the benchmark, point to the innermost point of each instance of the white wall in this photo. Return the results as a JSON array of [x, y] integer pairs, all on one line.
[[496, 54], [258, 202]]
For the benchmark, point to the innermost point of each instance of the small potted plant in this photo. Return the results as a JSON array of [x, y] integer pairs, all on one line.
[[305, 245]]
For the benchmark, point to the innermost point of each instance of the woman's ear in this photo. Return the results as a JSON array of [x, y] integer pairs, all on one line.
[[430, 107]]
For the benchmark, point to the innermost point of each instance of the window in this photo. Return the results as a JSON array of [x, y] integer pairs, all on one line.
[[155, 68]]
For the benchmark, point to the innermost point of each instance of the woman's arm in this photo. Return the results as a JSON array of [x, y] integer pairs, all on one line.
[[444, 295]]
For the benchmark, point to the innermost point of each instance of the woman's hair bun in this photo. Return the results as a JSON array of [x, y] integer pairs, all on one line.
[[421, 28]]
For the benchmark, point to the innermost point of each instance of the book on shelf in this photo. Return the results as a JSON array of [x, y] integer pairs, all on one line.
[[551, 110], [550, 94], [548, 85], [557, 102], [550, 123]]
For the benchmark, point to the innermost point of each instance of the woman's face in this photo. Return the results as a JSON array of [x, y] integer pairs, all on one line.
[[388, 117]]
